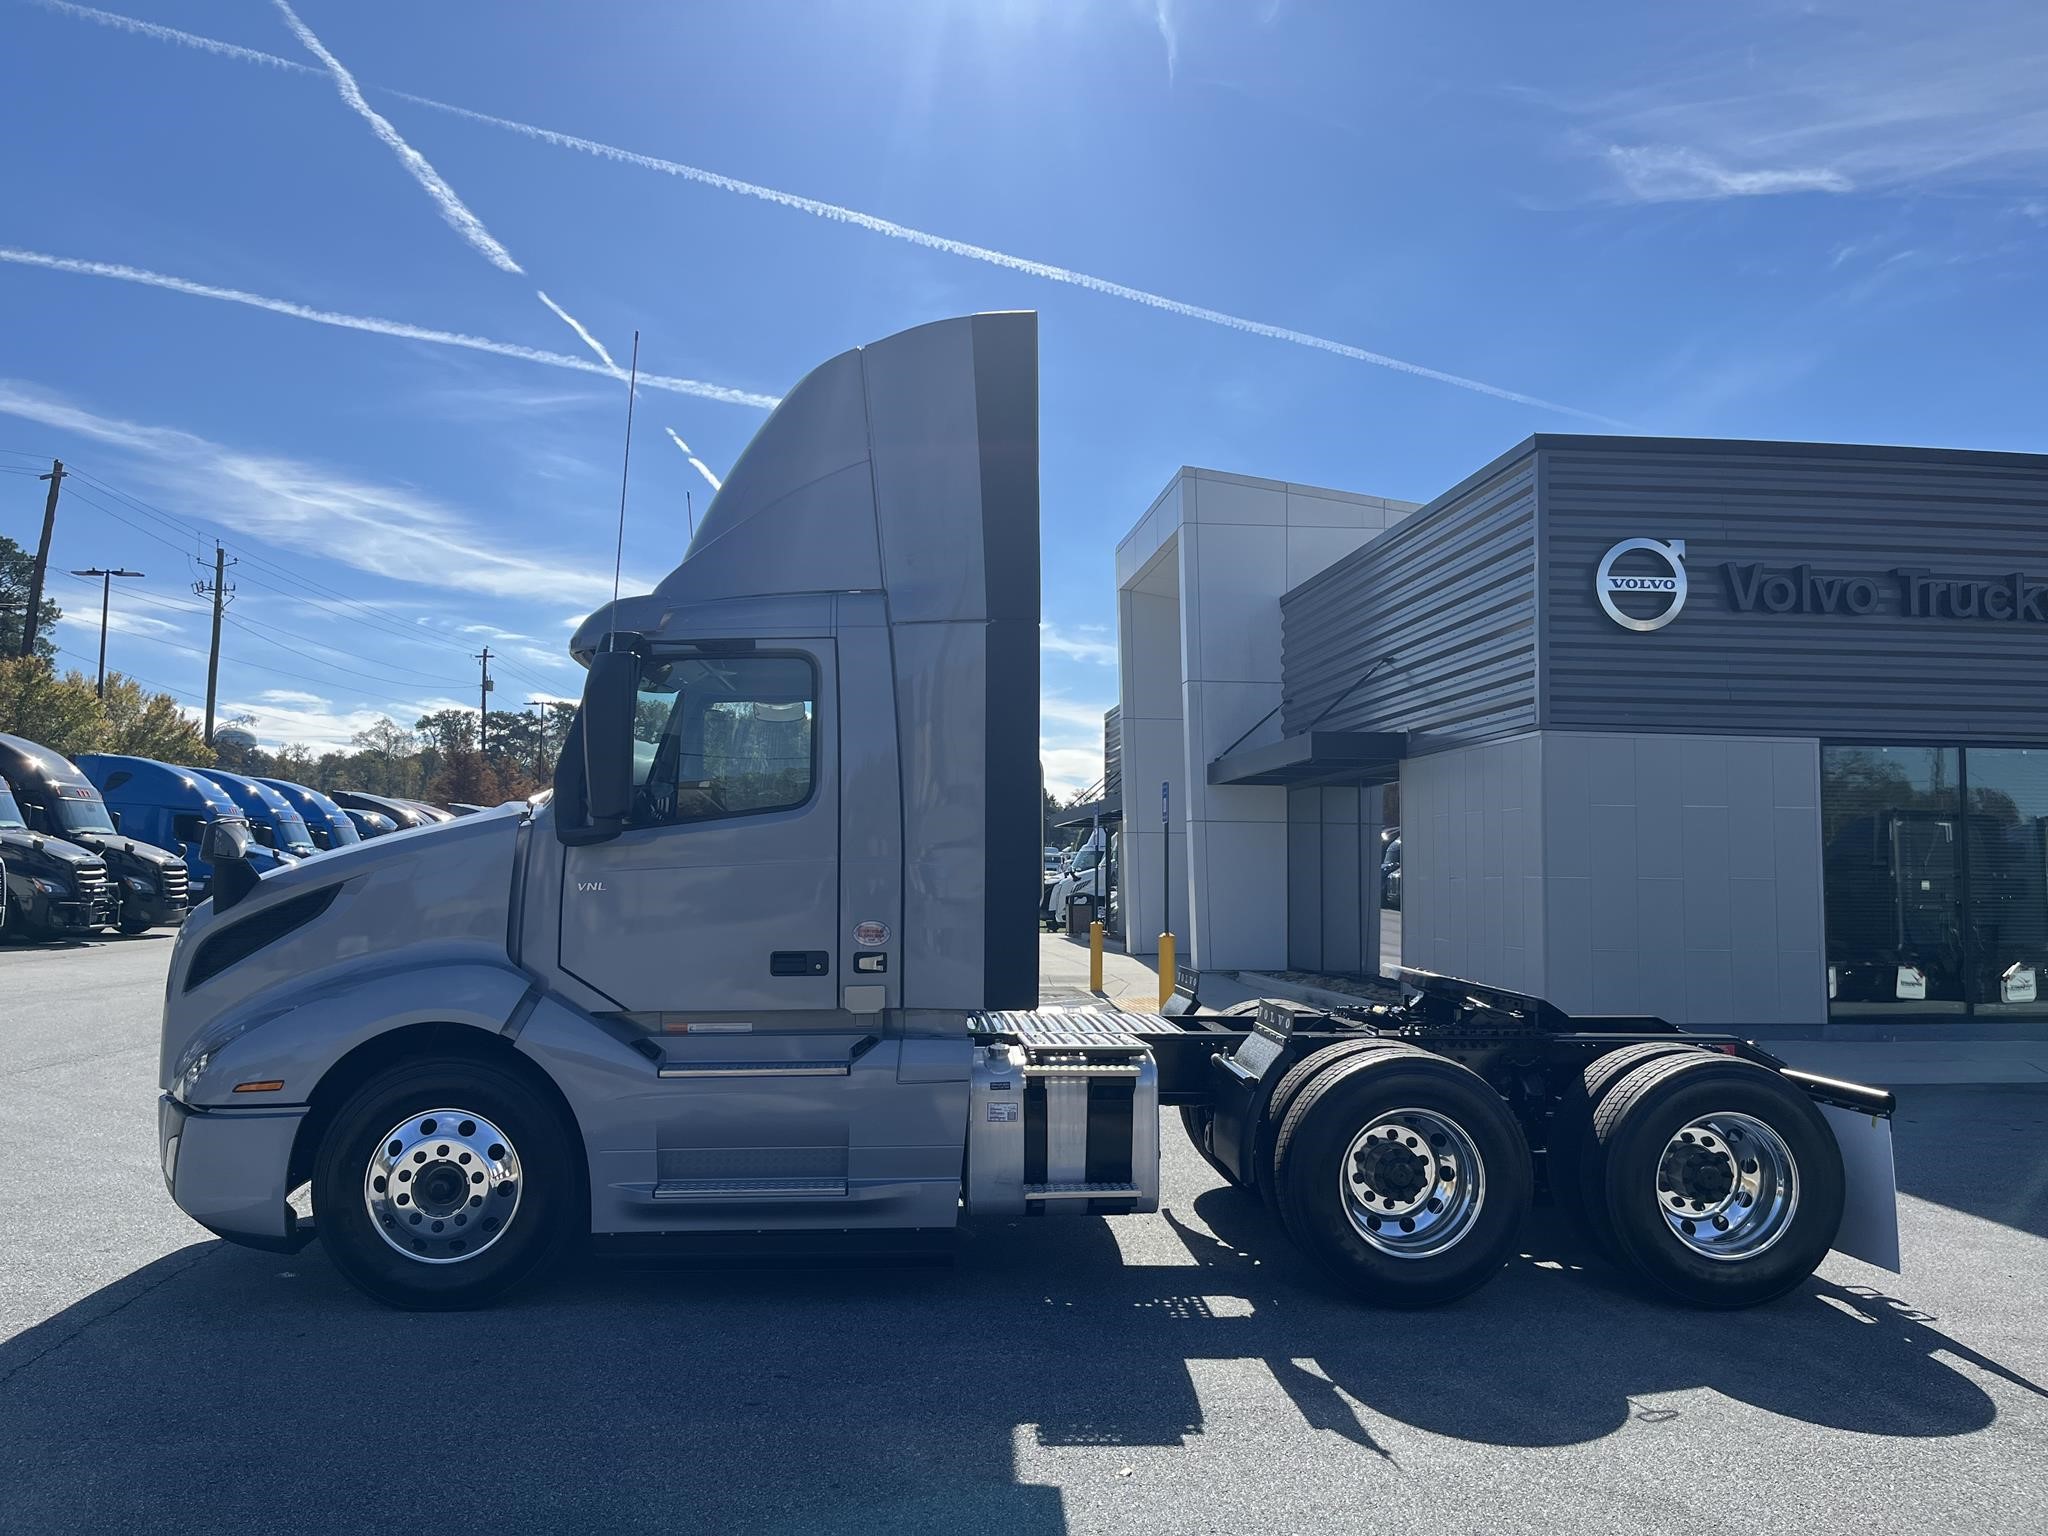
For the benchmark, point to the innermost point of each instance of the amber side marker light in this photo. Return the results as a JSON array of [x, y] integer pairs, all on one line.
[[270, 1085]]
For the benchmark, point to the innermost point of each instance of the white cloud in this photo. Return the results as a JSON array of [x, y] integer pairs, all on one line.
[[1658, 174], [85, 618], [1168, 25], [1875, 97], [282, 716], [389, 530], [1074, 646], [1069, 742]]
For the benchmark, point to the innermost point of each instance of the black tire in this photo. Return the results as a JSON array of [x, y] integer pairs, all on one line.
[[1656, 1102], [1310, 1174], [134, 925], [547, 1198], [1573, 1164], [1196, 1119], [1297, 1077]]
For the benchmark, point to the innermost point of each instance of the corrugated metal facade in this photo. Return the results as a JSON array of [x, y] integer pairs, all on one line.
[[1767, 509], [1113, 752], [1450, 594]]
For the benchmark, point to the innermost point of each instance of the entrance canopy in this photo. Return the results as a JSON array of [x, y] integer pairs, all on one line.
[[1316, 757]]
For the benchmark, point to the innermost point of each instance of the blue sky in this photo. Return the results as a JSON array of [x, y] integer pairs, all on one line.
[[1823, 220]]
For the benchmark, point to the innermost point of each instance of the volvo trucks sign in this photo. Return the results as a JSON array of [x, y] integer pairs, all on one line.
[[1641, 585], [1650, 575]]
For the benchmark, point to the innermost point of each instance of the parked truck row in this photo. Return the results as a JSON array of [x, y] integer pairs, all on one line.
[[763, 972], [114, 842]]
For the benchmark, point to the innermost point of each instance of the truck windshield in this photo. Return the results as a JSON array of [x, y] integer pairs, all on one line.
[[83, 815], [1087, 858], [10, 813], [291, 831]]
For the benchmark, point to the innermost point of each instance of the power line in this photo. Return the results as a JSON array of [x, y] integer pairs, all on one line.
[[369, 615]]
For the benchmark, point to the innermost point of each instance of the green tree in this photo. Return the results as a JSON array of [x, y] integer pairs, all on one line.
[[151, 725], [17, 569], [63, 713]]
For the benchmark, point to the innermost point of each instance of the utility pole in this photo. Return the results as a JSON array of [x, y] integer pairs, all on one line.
[[35, 581], [483, 704], [106, 588], [219, 590]]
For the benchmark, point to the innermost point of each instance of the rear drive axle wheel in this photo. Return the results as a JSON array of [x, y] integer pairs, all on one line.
[[1722, 1183], [1404, 1176]]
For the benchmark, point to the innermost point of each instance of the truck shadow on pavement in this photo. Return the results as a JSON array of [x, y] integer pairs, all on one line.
[[265, 1392]]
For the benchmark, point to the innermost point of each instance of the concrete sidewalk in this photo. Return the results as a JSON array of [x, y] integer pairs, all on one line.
[[1134, 984]]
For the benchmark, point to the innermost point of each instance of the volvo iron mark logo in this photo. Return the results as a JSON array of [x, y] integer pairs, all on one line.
[[1653, 582]]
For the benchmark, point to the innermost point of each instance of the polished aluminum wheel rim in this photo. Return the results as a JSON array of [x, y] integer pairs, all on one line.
[[443, 1186], [1727, 1185], [1413, 1183]]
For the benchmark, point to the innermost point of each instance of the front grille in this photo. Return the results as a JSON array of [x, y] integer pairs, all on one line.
[[175, 883], [92, 884]]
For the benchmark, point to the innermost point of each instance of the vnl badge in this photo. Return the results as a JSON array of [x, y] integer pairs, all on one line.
[[1666, 585]]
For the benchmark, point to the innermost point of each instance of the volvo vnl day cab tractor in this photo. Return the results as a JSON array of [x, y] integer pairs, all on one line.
[[368, 824], [169, 807], [49, 888], [764, 972], [150, 886], [326, 822]]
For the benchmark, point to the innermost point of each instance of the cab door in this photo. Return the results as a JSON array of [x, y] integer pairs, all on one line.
[[722, 895]]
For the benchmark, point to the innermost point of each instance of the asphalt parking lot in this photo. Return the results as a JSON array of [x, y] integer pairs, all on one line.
[[1179, 1372]]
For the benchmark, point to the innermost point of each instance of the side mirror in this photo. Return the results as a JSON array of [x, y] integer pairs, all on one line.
[[115, 818], [594, 776], [224, 842], [225, 845]]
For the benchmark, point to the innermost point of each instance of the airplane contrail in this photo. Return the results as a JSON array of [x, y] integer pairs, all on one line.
[[582, 331], [453, 209], [873, 223], [690, 454], [401, 329]]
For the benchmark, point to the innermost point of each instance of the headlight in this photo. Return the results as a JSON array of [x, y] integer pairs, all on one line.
[[51, 887], [138, 885], [189, 1078]]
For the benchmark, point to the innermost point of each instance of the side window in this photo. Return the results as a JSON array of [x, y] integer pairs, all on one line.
[[720, 736], [186, 828]]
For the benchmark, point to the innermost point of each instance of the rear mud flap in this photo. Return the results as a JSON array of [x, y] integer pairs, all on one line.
[[1870, 1207]]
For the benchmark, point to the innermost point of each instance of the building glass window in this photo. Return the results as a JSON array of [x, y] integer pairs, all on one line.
[[1931, 912], [2008, 881]]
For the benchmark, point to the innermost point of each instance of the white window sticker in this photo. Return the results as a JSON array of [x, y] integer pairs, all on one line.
[[1002, 1111]]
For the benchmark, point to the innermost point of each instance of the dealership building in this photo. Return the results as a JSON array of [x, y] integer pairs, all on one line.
[[1739, 733]]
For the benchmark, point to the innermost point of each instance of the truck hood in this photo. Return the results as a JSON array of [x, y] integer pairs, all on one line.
[[14, 842], [430, 895], [119, 848]]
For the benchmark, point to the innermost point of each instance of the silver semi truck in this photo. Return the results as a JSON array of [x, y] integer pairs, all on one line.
[[763, 970]]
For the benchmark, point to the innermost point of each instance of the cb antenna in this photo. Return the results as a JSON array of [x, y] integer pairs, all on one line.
[[690, 510], [625, 470]]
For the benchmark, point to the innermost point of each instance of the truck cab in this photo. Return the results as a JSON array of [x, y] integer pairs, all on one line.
[[272, 820], [762, 972], [169, 807], [149, 886], [402, 814], [52, 888], [325, 821]]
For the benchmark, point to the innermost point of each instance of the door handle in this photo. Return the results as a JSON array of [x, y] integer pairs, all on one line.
[[800, 962]]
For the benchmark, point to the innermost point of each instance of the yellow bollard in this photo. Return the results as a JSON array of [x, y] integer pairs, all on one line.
[[1095, 957], [1166, 959]]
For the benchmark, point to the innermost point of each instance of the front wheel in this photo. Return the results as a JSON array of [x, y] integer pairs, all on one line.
[[133, 923], [1404, 1176], [441, 1184], [1722, 1184]]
